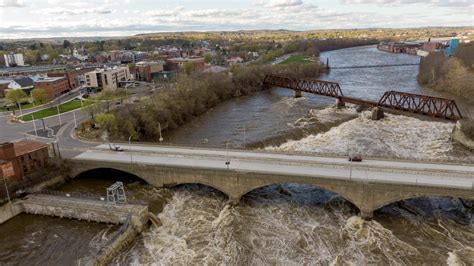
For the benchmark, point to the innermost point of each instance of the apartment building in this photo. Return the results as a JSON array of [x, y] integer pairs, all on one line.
[[13, 60], [108, 79]]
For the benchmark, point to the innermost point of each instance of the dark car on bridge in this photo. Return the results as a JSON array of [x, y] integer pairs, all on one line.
[[355, 158]]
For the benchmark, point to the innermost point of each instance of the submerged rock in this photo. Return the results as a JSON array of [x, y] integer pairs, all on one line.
[[463, 133]]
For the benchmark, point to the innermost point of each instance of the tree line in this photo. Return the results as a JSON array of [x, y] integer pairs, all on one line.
[[453, 74], [192, 95]]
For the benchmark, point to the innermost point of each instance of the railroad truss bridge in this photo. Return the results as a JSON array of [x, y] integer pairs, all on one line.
[[395, 100]]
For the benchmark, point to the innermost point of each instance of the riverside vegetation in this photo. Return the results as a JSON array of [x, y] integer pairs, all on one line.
[[453, 74], [192, 95]]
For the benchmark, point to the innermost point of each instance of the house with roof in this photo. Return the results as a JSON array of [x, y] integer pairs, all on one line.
[[26, 84]]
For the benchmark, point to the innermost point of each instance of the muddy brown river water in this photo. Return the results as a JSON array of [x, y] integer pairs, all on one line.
[[285, 224]]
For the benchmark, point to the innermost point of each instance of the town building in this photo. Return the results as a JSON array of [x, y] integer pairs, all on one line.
[[148, 71], [13, 60], [75, 78], [4, 86], [53, 86], [127, 56], [451, 47], [30, 70], [26, 84], [176, 64], [108, 79], [22, 158]]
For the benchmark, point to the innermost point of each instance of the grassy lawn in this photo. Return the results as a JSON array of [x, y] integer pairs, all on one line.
[[296, 59], [65, 107], [23, 107]]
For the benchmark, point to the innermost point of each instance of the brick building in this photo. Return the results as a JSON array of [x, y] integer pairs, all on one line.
[[3, 86], [54, 86], [176, 64], [75, 78], [148, 71], [22, 158]]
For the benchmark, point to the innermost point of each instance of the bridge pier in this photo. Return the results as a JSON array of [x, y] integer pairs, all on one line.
[[366, 215], [233, 201], [339, 103], [297, 94]]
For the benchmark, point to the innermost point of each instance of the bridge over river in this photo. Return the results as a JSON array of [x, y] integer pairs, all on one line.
[[369, 185]]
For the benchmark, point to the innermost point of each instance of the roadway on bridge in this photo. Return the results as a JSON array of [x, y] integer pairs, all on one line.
[[398, 172]]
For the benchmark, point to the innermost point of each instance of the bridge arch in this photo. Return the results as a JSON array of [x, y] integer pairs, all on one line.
[[340, 193], [221, 190], [399, 198]]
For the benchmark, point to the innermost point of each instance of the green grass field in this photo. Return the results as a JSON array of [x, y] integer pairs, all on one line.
[[23, 107], [65, 107], [296, 59]]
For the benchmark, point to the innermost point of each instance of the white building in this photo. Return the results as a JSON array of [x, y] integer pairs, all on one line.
[[13, 60], [108, 79]]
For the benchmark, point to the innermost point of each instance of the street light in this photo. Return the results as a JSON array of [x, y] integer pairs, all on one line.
[[130, 145], [6, 188], [244, 139], [59, 114], [161, 137], [34, 124], [227, 162]]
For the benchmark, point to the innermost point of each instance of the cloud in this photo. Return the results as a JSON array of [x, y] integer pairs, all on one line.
[[73, 11], [441, 3], [278, 3], [11, 3]]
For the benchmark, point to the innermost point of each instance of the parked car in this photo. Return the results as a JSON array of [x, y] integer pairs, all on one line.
[[355, 159]]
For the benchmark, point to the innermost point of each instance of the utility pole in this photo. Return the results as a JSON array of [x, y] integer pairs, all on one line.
[[6, 188], [75, 121], [34, 124], [59, 114], [245, 144]]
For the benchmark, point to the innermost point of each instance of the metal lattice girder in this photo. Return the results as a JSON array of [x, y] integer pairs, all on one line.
[[321, 87], [116, 193], [422, 104], [407, 102]]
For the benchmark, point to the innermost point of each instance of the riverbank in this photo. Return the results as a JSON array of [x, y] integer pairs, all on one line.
[[193, 96]]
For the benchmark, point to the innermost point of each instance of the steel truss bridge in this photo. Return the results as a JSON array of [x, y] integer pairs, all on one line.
[[396, 100], [375, 66]]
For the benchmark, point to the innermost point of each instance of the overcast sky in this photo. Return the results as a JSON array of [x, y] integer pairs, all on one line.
[[63, 18]]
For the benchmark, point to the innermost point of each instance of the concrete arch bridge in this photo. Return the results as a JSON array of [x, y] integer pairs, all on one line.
[[369, 185]]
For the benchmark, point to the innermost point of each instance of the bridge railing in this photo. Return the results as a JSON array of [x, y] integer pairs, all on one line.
[[273, 149]]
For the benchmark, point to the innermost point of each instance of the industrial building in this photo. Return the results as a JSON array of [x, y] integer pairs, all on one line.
[[19, 159]]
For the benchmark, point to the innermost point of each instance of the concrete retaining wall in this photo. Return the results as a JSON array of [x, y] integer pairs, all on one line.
[[81, 209], [10, 210]]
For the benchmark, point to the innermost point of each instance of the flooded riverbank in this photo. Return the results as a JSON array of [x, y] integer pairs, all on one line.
[[289, 224]]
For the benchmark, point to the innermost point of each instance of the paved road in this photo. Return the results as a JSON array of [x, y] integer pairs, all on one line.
[[17, 131], [444, 175]]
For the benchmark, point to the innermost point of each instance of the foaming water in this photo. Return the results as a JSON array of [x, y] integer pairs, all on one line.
[[293, 224], [394, 136]]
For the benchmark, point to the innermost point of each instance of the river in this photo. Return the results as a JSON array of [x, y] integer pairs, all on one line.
[[287, 224]]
